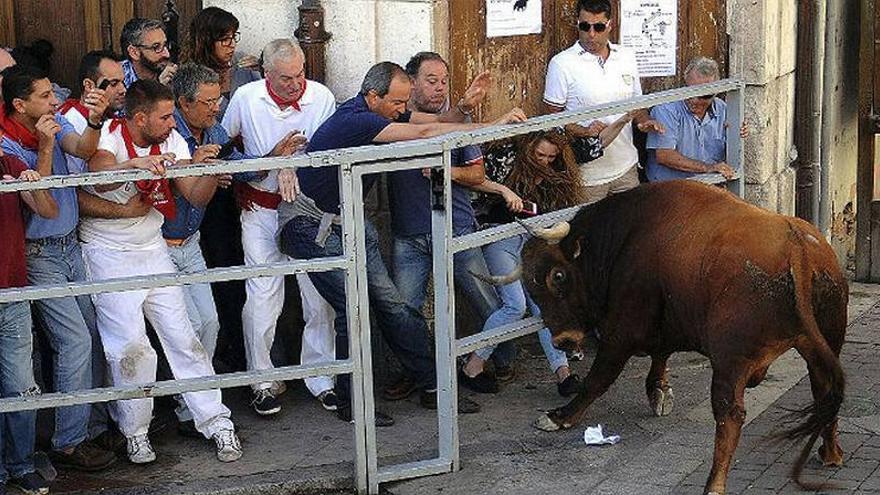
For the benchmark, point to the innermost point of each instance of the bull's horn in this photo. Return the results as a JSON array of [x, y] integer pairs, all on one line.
[[499, 280], [552, 234]]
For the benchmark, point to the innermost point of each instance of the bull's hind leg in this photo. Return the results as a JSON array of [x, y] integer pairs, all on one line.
[[657, 386], [604, 371], [829, 452], [728, 387]]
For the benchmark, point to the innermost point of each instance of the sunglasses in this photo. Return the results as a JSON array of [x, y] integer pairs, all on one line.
[[599, 27], [706, 97]]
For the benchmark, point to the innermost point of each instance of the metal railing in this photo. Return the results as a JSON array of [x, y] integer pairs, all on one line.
[[354, 164]]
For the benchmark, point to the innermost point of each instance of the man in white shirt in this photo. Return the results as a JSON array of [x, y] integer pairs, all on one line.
[[592, 72], [262, 113], [125, 247]]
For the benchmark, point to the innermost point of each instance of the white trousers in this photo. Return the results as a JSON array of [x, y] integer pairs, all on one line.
[[131, 359], [265, 299]]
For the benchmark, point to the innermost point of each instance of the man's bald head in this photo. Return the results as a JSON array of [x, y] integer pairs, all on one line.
[[6, 60]]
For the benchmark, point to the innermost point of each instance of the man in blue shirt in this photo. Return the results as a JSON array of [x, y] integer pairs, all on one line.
[[33, 133], [410, 195], [311, 224], [695, 141]]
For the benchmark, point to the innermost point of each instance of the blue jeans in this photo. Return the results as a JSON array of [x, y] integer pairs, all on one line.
[[17, 430], [502, 257], [412, 268], [403, 327], [71, 331]]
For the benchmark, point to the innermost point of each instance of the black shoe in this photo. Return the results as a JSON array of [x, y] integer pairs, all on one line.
[[482, 383], [382, 419], [399, 390], [569, 386], [188, 429], [265, 403], [505, 374], [112, 441], [428, 400], [85, 457], [329, 400], [30, 484]]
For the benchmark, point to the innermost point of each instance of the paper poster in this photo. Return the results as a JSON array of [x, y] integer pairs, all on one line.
[[512, 17], [650, 29]]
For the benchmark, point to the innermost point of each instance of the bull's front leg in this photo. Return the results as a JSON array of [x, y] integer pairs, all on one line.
[[657, 386], [604, 371], [728, 388]]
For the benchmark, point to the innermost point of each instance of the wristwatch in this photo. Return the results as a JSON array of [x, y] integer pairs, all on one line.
[[97, 126]]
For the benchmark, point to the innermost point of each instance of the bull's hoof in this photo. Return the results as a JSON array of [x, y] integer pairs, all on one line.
[[544, 423], [661, 401], [834, 458]]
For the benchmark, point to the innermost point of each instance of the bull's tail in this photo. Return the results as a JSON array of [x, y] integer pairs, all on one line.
[[814, 348]]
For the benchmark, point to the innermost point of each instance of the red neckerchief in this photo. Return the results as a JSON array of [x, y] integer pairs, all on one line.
[[281, 102], [17, 132], [75, 104], [156, 191]]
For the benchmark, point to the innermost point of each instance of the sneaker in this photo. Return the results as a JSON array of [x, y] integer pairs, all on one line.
[[328, 400], [139, 450], [265, 403], [428, 400], [569, 386], [382, 419], [482, 383], [85, 457], [188, 429], [228, 446], [505, 374], [400, 390], [30, 484]]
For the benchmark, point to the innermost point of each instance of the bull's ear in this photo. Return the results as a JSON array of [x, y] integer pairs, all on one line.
[[572, 247]]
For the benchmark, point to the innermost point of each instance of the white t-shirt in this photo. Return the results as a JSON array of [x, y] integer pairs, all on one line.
[[128, 233], [261, 123], [577, 80]]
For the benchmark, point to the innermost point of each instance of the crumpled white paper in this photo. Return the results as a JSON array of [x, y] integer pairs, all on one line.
[[593, 436]]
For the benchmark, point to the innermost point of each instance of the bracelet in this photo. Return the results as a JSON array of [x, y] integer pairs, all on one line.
[[97, 126], [458, 107]]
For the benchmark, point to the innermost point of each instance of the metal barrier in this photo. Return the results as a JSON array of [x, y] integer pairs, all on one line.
[[354, 163]]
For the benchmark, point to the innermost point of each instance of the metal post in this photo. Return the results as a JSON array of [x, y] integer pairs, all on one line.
[[358, 326], [444, 313], [734, 140]]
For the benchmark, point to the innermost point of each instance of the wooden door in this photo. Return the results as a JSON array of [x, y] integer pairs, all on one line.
[[75, 27], [519, 63]]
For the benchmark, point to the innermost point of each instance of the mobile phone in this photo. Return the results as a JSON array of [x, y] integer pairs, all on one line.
[[226, 150], [529, 208], [104, 84]]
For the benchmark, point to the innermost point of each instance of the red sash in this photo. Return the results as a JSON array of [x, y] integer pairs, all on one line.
[[281, 102], [156, 191], [74, 104], [17, 132], [247, 196]]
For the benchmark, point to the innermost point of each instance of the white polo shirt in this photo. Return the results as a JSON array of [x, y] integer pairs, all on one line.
[[128, 233], [576, 80], [261, 123]]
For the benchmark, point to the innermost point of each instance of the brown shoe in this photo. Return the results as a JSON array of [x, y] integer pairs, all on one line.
[[400, 390], [111, 441], [85, 457]]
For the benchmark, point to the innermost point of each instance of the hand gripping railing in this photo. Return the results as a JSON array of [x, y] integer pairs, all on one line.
[[354, 163]]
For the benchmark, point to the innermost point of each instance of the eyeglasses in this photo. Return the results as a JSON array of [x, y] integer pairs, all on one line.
[[231, 39], [598, 27], [156, 47], [212, 102]]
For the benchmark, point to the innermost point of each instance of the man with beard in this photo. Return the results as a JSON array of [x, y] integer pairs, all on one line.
[[125, 247], [145, 47], [410, 195], [35, 135], [285, 105]]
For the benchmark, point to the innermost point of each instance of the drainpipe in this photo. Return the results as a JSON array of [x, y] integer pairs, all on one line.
[[312, 37], [824, 223], [820, 96]]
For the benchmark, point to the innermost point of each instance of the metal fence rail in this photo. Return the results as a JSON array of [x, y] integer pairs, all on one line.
[[353, 164]]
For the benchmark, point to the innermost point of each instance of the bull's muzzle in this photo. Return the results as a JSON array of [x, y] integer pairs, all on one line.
[[552, 234]]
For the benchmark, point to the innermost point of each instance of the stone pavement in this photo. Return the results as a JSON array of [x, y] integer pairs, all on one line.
[[307, 450]]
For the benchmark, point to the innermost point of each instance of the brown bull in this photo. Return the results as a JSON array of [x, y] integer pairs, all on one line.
[[680, 266]]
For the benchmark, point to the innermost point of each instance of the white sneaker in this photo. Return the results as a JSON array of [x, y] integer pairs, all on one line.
[[139, 449], [228, 446]]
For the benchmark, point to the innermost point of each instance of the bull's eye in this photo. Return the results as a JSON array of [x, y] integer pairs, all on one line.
[[558, 276]]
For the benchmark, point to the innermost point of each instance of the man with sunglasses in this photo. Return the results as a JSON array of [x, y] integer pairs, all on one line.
[[593, 72], [146, 49], [696, 139]]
